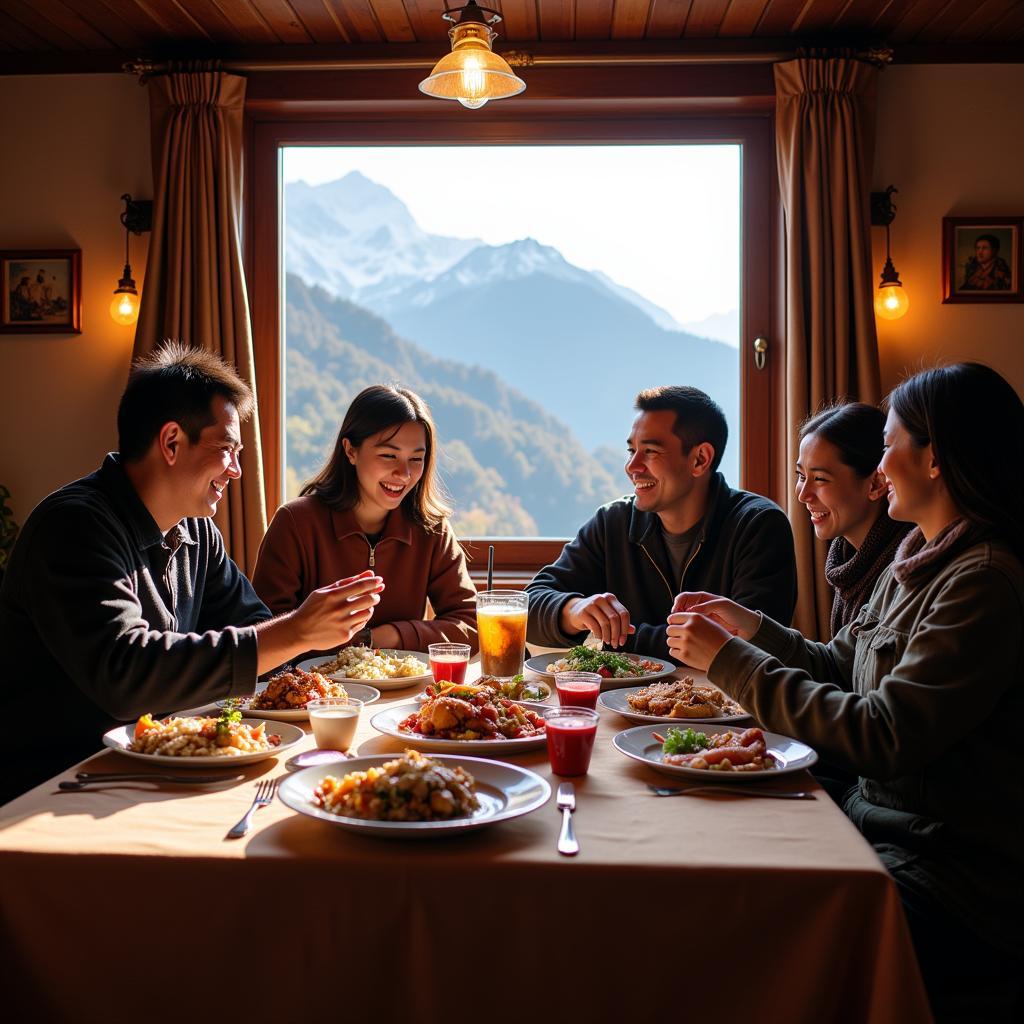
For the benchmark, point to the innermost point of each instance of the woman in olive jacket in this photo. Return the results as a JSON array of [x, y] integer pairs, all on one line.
[[922, 695]]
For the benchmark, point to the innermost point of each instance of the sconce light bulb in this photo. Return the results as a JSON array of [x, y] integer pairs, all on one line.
[[124, 308], [891, 302]]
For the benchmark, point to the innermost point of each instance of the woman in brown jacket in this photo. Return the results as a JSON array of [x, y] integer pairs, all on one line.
[[921, 696], [377, 504]]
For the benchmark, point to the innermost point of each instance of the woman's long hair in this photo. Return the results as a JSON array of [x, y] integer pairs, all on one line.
[[974, 421], [379, 408], [855, 429]]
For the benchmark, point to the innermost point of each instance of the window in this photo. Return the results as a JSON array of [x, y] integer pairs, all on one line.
[[298, 120], [527, 293]]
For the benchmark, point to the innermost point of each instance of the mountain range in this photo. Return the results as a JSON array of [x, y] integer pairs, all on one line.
[[514, 327], [512, 467]]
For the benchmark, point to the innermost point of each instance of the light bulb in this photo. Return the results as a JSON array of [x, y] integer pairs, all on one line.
[[891, 302], [124, 308], [474, 83]]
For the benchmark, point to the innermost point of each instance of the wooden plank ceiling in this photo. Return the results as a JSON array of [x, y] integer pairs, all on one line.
[[134, 26]]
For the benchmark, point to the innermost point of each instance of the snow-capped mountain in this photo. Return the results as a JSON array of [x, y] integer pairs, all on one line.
[[357, 239], [352, 235]]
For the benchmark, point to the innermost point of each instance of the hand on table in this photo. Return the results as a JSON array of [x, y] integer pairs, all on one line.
[[604, 615]]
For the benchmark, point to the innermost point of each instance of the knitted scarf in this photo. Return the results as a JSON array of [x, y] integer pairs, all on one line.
[[852, 572], [917, 558]]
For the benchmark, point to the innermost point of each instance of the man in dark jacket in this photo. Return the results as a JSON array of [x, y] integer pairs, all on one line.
[[120, 599], [683, 528]]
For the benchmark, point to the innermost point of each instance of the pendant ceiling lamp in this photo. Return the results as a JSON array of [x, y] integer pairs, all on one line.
[[472, 73]]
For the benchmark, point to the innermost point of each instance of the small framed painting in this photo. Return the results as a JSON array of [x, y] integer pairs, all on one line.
[[982, 259], [41, 291]]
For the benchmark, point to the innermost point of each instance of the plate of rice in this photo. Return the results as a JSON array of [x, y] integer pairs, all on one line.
[[196, 741], [386, 669], [415, 796]]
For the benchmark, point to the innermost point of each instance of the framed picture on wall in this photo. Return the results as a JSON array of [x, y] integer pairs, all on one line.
[[983, 259], [41, 291]]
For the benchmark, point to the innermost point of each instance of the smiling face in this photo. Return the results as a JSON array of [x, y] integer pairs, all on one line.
[[205, 468], [840, 502], [388, 465], [910, 471], [662, 473]]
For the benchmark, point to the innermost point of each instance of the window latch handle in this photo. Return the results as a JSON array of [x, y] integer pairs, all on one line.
[[760, 352]]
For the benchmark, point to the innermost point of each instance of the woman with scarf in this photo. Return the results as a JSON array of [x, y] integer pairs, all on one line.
[[921, 694], [838, 480]]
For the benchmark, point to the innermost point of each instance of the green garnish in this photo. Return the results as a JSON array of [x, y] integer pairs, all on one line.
[[587, 659], [517, 688], [683, 741], [229, 716]]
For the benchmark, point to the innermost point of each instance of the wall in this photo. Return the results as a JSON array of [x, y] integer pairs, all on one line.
[[82, 142], [951, 139]]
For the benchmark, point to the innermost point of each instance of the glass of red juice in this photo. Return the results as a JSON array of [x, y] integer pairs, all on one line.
[[571, 733], [449, 662], [578, 689]]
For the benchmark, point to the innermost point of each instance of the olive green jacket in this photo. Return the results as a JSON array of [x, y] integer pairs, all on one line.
[[922, 696]]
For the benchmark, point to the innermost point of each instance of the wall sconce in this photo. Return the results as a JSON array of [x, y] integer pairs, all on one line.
[[472, 73], [891, 299], [136, 217]]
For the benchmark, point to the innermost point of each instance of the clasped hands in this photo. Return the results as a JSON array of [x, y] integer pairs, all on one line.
[[700, 624]]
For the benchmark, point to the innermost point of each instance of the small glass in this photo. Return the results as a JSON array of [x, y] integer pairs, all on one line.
[[571, 733], [334, 721], [501, 626], [578, 689], [449, 662]]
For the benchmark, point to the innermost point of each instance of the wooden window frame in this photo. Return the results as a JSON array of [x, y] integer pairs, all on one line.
[[706, 104]]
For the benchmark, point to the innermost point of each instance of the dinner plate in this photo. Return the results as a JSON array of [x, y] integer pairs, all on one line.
[[504, 791], [120, 738], [617, 701], [640, 745], [361, 691], [538, 665], [386, 722], [399, 683], [545, 698]]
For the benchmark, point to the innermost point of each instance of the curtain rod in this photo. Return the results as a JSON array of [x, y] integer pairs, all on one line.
[[516, 58]]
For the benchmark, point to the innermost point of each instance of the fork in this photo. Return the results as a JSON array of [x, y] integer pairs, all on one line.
[[778, 794], [264, 797], [567, 804]]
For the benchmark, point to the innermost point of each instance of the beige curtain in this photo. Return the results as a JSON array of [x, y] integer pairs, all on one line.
[[195, 288], [825, 127]]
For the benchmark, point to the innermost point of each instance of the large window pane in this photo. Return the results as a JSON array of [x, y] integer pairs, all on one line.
[[526, 292]]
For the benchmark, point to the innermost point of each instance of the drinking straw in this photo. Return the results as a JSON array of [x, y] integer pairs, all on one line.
[[490, 566]]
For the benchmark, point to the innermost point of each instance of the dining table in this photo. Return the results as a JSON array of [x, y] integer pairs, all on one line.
[[127, 901]]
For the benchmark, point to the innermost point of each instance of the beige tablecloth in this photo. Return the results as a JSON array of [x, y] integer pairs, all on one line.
[[130, 903]]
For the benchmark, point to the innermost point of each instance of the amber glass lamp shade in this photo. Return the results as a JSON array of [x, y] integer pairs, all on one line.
[[124, 307], [891, 301], [472, 73]]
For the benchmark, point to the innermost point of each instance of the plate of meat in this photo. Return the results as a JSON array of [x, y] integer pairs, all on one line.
[[715, 753], [689, 699]]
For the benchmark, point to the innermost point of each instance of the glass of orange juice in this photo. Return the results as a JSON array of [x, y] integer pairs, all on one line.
[[501, 625]]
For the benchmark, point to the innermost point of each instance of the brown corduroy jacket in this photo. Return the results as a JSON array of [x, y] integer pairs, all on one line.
[[308, 545]]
